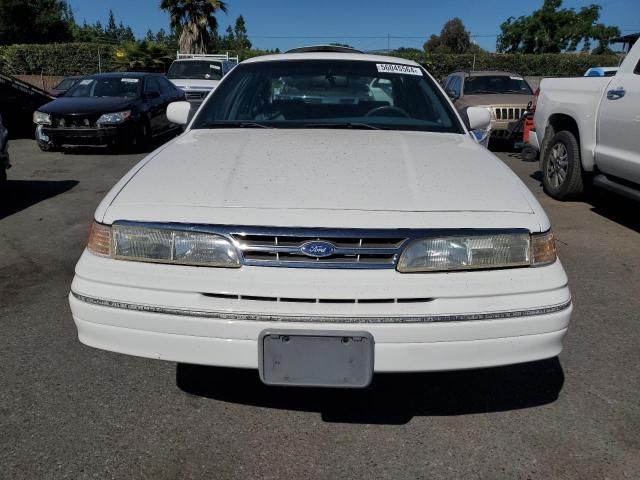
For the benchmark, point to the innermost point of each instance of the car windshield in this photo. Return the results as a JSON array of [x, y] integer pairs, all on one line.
[[106, 87], [328, 94], [496, 84], [66, 84], [195, 69]]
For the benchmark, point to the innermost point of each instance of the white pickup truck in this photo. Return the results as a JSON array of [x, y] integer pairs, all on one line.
[[588, 131]]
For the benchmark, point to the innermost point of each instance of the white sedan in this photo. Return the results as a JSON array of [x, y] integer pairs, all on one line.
[[310, 229]]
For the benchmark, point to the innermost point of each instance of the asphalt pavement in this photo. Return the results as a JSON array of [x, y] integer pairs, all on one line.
[[69, 411]]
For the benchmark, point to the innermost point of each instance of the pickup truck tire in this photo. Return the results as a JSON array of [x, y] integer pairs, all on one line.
[[561, 167]]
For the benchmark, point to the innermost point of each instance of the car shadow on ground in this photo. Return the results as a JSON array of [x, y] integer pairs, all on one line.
[[616, 208], [16, 195], [392, 399]]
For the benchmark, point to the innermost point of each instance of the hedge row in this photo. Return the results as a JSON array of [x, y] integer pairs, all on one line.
[[543, 65], [57, 59], [82, 58]]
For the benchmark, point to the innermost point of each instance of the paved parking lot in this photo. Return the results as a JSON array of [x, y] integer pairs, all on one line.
[[69, 411]]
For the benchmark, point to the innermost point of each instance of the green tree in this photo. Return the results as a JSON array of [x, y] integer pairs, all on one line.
[[195, 19], [240, 31], [143, 56], [111, 32], [34, 21], [553, 29], [228, 41], [453, 38]]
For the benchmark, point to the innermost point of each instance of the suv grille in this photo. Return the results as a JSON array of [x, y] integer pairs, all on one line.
[[508, 113], [351, 250]]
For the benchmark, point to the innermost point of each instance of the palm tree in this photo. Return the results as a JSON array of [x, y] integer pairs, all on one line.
[[195, 19]]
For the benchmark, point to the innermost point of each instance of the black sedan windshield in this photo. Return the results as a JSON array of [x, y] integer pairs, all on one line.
[[127, 87], [328, 94]]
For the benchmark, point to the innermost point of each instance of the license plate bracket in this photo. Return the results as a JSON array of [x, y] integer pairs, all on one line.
[[335, 358]]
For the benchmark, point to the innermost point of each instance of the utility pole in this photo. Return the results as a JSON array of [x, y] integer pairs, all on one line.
[[388, 43], [99, 62]]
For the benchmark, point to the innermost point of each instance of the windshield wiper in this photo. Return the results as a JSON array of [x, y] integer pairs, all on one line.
[[235, 125], [352, 125], [516, 91]]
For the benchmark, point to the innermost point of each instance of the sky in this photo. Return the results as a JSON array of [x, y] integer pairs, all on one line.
[[364, 24]]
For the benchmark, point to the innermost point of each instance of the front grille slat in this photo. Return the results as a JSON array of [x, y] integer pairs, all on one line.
[[350, 251], [508, 113]]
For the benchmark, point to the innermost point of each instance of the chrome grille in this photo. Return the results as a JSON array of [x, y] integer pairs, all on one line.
[[508, 113], [351, 250]]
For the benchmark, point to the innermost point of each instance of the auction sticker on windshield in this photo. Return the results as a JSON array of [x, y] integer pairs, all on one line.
[[130, 80], [393, 68]]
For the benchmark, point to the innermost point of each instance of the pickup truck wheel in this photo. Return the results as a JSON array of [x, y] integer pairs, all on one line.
[[561, 167]]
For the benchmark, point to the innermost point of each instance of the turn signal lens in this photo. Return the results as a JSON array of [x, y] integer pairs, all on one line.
[[100, 240], [543, 249]]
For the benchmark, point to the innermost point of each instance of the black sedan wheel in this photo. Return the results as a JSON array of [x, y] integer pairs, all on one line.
[[142, 138]]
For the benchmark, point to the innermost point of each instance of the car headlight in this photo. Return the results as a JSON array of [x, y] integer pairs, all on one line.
[[483, 251], [40, 118], [114, 118], [160, 245]]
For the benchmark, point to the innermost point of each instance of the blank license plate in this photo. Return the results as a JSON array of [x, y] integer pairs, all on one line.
[[316, 359]]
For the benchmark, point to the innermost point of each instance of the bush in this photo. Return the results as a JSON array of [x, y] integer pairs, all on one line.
[[543, 65], [57, 59]]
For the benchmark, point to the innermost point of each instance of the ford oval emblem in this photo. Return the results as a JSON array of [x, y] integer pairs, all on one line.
[[318, 249]]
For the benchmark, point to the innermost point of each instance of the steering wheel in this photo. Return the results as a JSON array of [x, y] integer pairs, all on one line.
[[377, 110]]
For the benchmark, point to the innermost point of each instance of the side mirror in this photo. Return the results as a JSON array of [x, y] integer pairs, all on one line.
[[152, 95], [452, 94], [479, 118], [178, 112], [479, 123]]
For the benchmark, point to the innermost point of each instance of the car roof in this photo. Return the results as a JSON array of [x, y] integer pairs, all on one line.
[[202, 59], [489, 73], [363, 57], [125, 74]]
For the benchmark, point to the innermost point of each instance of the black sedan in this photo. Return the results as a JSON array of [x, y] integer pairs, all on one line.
[[110, 109]]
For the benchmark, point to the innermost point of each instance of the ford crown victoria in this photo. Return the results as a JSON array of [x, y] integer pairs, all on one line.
[[317, 233]]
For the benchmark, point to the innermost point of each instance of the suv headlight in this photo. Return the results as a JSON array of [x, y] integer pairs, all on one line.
[[160, 245], [483, 251], [114, 118], [40, 118]]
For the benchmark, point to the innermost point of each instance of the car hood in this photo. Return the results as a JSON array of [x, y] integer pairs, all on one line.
[[187, 84], [79, 105], [278, 177], [515, 99]]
